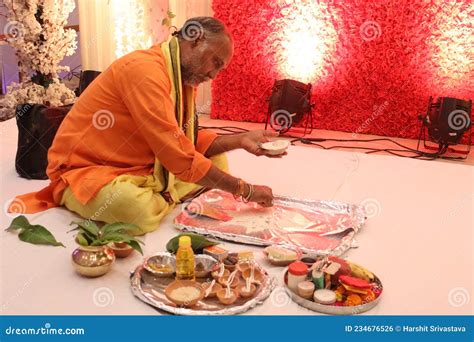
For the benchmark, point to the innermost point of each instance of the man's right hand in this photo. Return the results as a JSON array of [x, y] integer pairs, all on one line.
[[263, 195], [215, 178]]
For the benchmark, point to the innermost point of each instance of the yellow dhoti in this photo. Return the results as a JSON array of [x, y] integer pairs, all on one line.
[[135, 199]]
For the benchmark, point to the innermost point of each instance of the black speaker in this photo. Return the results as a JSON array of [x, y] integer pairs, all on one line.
[[289, 102], [448, 119]]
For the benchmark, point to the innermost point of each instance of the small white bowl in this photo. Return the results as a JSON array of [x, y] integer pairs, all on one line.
[[275, 147]]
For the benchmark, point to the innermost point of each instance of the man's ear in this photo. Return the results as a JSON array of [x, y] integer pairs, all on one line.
[[198, 41]]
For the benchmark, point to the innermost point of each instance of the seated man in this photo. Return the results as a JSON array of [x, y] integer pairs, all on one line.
[[129, 150]]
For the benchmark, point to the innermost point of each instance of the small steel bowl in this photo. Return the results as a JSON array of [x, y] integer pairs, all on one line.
[[153, 263], [208, 263]]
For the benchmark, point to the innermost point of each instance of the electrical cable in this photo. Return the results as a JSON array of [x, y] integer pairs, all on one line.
[[416, 153]]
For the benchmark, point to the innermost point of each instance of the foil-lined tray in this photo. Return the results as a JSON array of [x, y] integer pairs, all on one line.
[[334, 309], [150, 288], [310, 226]]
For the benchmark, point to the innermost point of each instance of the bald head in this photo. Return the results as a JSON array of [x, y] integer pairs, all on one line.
[[206, 48]]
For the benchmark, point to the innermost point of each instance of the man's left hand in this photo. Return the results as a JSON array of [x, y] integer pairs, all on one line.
[[251, 141]]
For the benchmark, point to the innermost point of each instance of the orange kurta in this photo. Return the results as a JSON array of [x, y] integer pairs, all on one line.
[[119, 125]]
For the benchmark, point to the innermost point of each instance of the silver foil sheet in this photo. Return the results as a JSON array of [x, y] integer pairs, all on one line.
[[310, 226]]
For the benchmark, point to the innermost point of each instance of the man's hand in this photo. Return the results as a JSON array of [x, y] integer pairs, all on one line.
[[215, 178], [251, 141], [263, 195]]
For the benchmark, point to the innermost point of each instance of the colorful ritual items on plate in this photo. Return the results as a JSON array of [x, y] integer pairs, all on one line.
[[215, 290], [333, 286], [310, 226]]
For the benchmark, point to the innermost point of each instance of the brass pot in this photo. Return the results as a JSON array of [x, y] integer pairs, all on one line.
[[92, 261]]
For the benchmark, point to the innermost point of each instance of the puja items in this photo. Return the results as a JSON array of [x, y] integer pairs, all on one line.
[[253, 274], [216, 252], [220, 292], [245, 256], [211, 289], [185, 266], [162, 265], [220, 271], [198, 243], [333, 285], [297, 272], [311, 226], [92, 261], [227, 296], [306, 289], [275, 147], [248, 289], [204, 265], [184, 292], [308, 260], [232, 280], [231, 261], [280, 256], [324, 296], [94, 256], [121, 249]]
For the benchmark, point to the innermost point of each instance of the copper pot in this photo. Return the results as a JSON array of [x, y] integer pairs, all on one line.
[[92, 261]]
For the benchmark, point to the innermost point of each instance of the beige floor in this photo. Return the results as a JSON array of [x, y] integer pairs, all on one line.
[[418, 237], [205, 120]]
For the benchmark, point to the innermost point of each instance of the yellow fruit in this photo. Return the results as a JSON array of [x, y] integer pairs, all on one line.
[[360, 272]]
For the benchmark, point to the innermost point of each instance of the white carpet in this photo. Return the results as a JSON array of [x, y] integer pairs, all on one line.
[[419, 240]]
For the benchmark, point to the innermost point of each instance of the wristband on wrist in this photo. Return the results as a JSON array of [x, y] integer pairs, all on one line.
[[249, 195], [239, 193], [240, 188]]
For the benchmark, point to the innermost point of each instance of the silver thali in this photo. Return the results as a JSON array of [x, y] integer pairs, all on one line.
[[150, 288]]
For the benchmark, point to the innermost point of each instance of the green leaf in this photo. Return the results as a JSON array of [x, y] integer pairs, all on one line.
[[87, 235], [165, 22], [136, 246], [120, 227], [35, 234], [38, 235], [198, 243], [80, 239], [20, 222], [88, 226], [112, 237], [170, 14]]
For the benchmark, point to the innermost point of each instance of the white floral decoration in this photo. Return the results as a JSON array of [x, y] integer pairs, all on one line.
[[36, 32]]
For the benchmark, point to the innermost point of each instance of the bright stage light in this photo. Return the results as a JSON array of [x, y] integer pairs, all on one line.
[[307, 41], [451, 48]]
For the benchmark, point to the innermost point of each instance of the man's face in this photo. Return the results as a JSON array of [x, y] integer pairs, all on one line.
[[203, 59]]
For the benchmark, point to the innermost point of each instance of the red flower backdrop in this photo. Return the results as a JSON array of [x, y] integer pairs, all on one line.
[[373, 65]]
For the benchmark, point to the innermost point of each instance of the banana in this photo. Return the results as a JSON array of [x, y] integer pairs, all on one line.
[[360, 272]]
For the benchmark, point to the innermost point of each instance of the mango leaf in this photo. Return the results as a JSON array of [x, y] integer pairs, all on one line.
[[113, 237], [80, 239], [85, 234], [135, 245], [198, 243], [20, 222], [38, 235], [120, 237], [120, 227], [35, 234], [87, 226]]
